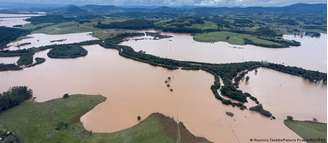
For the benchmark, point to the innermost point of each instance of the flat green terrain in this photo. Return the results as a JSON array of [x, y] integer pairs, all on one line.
[[58, 121], [75, 27], [308, 129], [66, 27], [205, 26], [230, 37]]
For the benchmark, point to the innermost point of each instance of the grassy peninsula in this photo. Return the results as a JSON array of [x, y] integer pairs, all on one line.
[[243, 39], [59, 121], [313, 132]]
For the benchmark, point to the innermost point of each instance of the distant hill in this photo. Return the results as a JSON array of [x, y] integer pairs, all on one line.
[[72, 10]]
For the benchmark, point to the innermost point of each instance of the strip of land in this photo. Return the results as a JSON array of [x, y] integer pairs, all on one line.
[[312, 132], [59, 121], [243, 39]]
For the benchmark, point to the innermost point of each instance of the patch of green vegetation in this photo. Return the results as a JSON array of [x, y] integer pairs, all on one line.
[[26, 59], [9, 67], [134, 24], [8, 34], [67, 27], [243, 39], [205, 26], [309, 130], [59, 121], [13, 97], [67, 51], [108, 33], [259, 108], [233, 38], [48, 19]]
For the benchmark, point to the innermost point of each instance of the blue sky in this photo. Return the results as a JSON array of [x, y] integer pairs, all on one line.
[[175, 2]]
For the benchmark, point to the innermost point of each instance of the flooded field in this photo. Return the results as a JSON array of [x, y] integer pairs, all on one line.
[[40, 39], [11, 20], [284, 95], [8, 60], [131, 93], [183, 47], [136, 89]]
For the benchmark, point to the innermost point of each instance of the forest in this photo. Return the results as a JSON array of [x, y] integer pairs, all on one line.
[[10, 34]]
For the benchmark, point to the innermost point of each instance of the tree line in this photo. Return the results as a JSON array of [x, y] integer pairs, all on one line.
[[14, 96]]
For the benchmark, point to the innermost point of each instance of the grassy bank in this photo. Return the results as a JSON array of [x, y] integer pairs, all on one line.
[[59, 121], [242, 39], [308, 130]]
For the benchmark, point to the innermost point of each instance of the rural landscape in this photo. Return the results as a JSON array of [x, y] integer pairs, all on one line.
[[97, 71]]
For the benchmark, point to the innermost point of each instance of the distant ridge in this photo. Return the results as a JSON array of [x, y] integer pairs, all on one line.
[[72, 10]]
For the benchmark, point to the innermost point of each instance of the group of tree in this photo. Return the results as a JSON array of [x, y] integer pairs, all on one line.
[[135, 24], [14, 96], [26, 59], [8, 34], [259, 108], [9, 67], [67, 51]]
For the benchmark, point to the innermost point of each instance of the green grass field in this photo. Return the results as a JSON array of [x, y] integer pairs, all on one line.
[[205, 26], [75, 27], [58, 121], [230, 37], [67, 27], [308, 129]]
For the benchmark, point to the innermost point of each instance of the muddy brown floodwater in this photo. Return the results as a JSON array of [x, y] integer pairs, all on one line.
[[11, 20], [136, 89], [183, 47], [284, 94]]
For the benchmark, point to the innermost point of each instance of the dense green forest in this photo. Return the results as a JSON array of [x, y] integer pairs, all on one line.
[[8, 35]]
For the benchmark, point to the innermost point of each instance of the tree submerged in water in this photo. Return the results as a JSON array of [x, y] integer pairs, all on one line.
[[66, 95], [247, 78]]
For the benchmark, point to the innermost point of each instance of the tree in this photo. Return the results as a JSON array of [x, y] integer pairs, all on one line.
[[290, 118]]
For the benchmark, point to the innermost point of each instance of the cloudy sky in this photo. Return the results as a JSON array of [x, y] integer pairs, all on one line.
[[175, 2]]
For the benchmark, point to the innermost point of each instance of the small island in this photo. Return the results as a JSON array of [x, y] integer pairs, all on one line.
[[67, 51]]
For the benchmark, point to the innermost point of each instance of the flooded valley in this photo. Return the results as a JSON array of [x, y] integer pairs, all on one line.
[[284, 95], [11, 20], [183, 47], [132, 88]]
